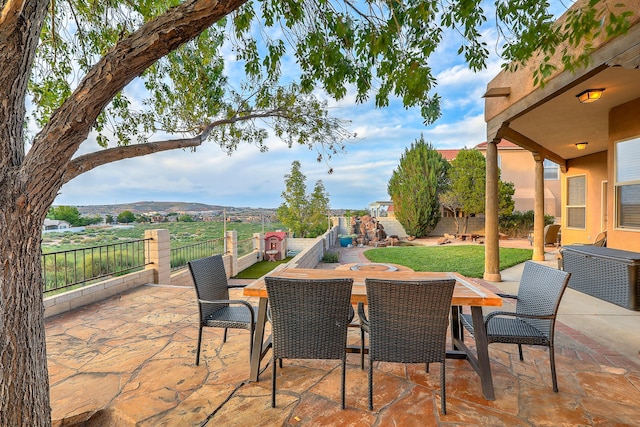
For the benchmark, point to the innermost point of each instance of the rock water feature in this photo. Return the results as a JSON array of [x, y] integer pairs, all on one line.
[[369, 232]]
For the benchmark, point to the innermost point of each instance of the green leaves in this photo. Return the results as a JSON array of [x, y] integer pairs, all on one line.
[[415, 186], [377, 49], [304, 214]]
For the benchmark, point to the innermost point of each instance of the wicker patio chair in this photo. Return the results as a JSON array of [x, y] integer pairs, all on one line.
[[309, 320], [551, 234], [407, 323], [533, 322], [215, 308]]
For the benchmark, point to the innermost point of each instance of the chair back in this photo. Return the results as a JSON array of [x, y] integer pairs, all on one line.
[[408, 320], [210, 281], [309, 318], [601, 239], [551, 234], [541, 289]]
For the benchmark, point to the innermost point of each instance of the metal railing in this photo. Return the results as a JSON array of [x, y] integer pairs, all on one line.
[[180, 256], [79, 267], [245, 246]]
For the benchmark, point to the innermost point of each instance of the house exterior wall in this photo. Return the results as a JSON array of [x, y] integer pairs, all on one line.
[[517, 165], [624, 123], [594, 167]]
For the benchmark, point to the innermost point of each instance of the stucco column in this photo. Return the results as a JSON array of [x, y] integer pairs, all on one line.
[[538, 211], [258, 245], [158, 253], [232, 250], [492, 244]]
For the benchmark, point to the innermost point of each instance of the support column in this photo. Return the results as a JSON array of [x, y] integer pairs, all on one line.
[[538, 210], [158, 253], [492, 244], [232, 250], [258, 245]]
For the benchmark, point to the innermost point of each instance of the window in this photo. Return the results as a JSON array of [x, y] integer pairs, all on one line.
[[551, 170], [576, 201], [627, 186]]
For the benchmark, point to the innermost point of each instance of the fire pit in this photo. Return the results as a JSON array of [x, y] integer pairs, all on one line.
[[373, 267]]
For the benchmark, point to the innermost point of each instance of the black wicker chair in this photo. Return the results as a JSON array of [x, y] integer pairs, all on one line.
[[215, 307], [309, 320], [407, 323], [533, 323]]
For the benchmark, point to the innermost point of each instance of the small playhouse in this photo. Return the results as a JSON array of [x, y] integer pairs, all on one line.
[[275, 245]]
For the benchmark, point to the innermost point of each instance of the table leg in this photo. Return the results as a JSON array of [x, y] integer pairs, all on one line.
[[482, 349], [258, 337], [456, 328]]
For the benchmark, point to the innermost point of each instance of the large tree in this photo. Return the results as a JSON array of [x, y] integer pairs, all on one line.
[[304, 214], [465, 195], [71, 63], [415, 186]]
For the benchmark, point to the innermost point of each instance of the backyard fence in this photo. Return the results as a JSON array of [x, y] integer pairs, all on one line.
[[182, 255], [79, 267]]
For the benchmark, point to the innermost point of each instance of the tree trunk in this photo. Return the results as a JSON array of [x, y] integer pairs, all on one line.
[[29, 182], [24, 380]]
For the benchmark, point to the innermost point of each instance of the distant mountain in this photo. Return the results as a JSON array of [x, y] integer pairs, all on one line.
[[151, 207]]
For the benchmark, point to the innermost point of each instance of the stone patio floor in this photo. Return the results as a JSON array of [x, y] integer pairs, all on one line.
[[130, 361]]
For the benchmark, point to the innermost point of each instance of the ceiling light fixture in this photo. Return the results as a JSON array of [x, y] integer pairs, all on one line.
[[581, 145], [589, 95]]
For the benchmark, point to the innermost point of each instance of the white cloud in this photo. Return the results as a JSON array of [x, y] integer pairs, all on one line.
[[251, 178]]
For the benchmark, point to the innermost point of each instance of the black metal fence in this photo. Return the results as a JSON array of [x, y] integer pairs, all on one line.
[[79, 267], [245, 246], [180, 256]]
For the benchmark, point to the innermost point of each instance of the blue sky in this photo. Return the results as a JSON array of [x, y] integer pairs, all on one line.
[[249, 178]]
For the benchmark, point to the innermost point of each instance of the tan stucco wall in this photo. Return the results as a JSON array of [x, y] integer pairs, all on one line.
[[624, 123], [594, 167], [521, 82], [518, 166]]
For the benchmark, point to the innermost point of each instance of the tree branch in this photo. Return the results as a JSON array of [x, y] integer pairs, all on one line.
[[11, 12], [70, 124], [87, 162]]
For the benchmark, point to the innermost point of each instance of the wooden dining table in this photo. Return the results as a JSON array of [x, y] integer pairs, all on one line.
[[466, 293]]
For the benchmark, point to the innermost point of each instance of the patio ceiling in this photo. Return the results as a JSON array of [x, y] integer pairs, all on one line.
[[550, 120]]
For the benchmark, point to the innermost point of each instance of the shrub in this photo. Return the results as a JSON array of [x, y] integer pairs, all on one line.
[[520, 224], [331, 257]]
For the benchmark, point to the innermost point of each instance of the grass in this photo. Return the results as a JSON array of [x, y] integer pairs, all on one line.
[[181, 234], [467, 260], [259, 269]]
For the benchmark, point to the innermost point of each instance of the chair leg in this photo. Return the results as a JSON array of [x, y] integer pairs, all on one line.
[[370, 385], [280, 363], [426, 368], [520, 352], [344, 368], [198, 348], [443, 393], [361, 348], [552, 360], [224, 337], [273, 383]]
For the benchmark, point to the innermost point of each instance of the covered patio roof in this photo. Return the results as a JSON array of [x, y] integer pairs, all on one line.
[[550, 120]]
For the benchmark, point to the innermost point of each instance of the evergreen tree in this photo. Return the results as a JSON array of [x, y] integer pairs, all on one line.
[[415, 185], [305, 215], [318, 210]]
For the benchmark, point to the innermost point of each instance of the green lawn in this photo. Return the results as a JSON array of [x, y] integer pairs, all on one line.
[[259, 269], [467, 260]]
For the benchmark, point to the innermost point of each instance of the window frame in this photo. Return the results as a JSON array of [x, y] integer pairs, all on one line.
[[576, 206], [619, 184]]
